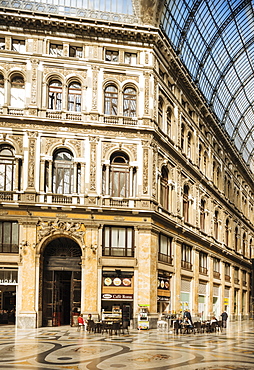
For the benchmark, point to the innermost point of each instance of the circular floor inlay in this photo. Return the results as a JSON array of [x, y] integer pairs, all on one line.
[[64, 358]]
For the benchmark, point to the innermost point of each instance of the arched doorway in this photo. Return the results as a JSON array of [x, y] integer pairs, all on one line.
[[61, 291]]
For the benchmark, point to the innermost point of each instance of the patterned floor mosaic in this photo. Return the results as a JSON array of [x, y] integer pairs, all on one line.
[[66, 348]]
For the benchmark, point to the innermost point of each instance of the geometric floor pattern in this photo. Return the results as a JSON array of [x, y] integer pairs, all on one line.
[[66, 348]]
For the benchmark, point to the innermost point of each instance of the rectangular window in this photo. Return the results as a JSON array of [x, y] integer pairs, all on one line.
[[111, 56], [118, 241], [227, 272], [56, 49], [9, 239], [186, 257], [76, 52], [236, 275], [130, 58], [18, 45], [2, 43], [165, 249], [216, 268], [203, 263]]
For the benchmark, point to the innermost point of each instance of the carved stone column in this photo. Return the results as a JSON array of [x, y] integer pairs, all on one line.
[[89, 270], [147, 272]]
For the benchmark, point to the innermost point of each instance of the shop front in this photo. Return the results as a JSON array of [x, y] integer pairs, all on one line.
[[8, 292], [117, 295], [163, 294]]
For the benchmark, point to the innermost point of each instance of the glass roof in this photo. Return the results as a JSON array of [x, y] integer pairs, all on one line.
[[109, 10], [215, 41]]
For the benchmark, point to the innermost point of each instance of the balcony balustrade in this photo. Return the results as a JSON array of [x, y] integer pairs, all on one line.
[[203, 270], [216, 275], [186, 265]]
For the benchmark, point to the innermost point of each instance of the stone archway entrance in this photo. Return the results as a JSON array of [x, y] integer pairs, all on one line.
[[61, 290]]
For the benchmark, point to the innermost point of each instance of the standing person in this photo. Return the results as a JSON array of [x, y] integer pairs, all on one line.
[[188, 315], [224, 317]]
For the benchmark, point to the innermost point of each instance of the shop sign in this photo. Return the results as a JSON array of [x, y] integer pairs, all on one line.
[[125, 297], [163, 283], [117, 281], [163, 299]]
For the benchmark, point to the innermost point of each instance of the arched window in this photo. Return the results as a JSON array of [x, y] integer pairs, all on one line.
[[111, 100], [55, 95], [169, 121], [227, 232], [164, 189], [186, 203], [202, 214], [119, 175], [7, 162], [130, 102], [189, 140], [244, 245], [236, 238], [200, 150], [160, 113], [63, 172], [1, 90], [205, 163], [216, 225], [182, 136], [74, 97], [17, 92]]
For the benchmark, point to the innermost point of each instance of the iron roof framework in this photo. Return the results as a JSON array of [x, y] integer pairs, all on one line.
[[215, 41]]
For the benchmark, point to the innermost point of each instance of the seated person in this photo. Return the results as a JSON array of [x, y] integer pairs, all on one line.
[[80, 322]]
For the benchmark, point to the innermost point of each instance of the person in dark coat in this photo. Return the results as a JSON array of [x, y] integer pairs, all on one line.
[[188, 315], [224, 317]]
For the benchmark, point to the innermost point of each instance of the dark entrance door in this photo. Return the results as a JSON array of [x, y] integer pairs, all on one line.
[[61, 282]]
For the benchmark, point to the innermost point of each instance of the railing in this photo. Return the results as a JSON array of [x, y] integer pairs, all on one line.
[[165, 258], [118, 252], [64, 199], [186, 265], [73, 116], [9, 196], [203, 270], [16, 111], [111, 119], [216, 275], [121, 120], [54, 115]]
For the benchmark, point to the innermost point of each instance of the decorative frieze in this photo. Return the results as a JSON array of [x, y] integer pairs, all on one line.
[[77, 145], [106, 147], [120, 77], [35, 64], [93, 146], [57, 226], [18, 139], [95, 87], [145, 170], [31, 159]]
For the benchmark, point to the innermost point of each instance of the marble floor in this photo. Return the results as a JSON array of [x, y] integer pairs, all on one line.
[[66, 348]]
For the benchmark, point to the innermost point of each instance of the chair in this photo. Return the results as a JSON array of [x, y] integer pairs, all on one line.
[[220, 327], [115, 327], [90, 326], [197, 327], [124, 326], [176, 327], [213, 327]]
